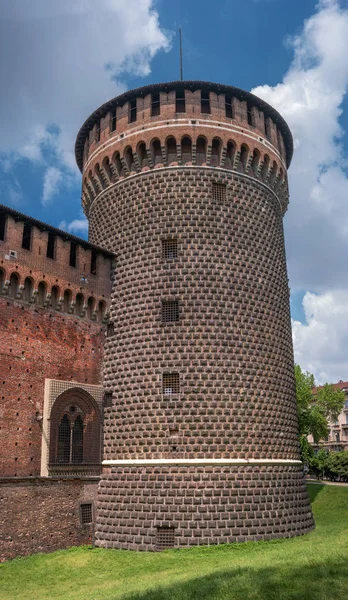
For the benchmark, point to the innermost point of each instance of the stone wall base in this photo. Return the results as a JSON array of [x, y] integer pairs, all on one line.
[[43, 514], [139, 506]]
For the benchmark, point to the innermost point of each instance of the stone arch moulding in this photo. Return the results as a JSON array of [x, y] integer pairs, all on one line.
[[57, 396]]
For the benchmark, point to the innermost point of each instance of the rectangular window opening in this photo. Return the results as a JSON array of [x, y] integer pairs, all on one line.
[[86, 514], [164, 538], [113, 121], [110, 329], [107, 400], [3, 218], [170, 311], [93, 262], [170, 384], [51, 243], [180, 105], [170, 249], [72, 257], [26, 238], [250, 116], [155, 105], [132, 111], [205, 103], [97, 133], [228, 107], [219, 192]]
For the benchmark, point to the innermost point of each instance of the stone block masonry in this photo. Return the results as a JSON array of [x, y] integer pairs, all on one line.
[[200, 431], [44, 514]]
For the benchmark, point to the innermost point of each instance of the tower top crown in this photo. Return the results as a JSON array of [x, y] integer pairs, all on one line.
[[230, 92]]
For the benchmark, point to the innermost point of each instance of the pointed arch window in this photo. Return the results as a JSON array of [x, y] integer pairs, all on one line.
[[70, 438]]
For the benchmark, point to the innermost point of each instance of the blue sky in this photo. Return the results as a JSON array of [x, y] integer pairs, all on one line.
[[53, 58]]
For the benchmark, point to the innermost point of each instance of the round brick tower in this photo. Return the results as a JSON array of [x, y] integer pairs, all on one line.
[[186, 183]]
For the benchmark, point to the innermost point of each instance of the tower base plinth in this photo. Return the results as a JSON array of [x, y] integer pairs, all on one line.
[[157, 507]]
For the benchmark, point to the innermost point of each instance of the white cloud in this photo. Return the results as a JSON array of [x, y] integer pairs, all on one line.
[[321, 343], [310, 98], [78, 226], [51, 184], [60, 61]]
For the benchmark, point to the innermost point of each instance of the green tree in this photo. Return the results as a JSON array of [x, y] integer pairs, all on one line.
[[315, 411]]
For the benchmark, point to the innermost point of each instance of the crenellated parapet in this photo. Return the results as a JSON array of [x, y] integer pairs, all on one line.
[[183, 124]]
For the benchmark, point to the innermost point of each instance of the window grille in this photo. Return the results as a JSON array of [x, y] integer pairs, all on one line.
[[169, 249], [164, 538], [110, 329], [70, 439], [219, 192], [86, 514], [170, 384], [170, 311]]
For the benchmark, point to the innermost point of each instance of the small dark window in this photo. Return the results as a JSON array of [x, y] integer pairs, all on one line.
[[113, 121], [2, 225], [155, 105], [51, 243], [170, 384], [268, 130], [219, 192], [164, 538], [180, 106], [26, 238], [250, 116], [110, 329], [93, 262], [169, 249], [97, 133], [170, 311], [205, 103], [107, 400], [228, 107], [86, 514], [72, 258], [132, 111]]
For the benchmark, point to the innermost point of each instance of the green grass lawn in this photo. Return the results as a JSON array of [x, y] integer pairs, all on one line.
[[314, 566]]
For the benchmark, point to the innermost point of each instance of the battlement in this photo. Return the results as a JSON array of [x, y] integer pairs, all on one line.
[[42, 265], [183, 124]]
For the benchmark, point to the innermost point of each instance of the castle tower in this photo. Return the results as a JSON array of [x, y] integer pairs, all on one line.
[[186, 183]]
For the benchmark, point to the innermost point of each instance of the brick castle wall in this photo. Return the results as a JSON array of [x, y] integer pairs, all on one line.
[[38, 344], [42, 515]]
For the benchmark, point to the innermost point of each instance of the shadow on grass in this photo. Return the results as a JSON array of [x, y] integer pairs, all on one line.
[[315, 581], [314, 489]]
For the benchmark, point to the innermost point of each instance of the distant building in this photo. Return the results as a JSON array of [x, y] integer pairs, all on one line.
[[337, 439]]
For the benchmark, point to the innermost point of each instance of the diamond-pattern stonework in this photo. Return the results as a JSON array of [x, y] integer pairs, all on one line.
[[232, 348]]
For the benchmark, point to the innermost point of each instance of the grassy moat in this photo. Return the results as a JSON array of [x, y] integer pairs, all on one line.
[[314, 566]]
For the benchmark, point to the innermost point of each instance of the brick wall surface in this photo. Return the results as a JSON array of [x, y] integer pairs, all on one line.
[[38, 343], [205, 505], [232, 349], [232, 345], [42, 515]]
